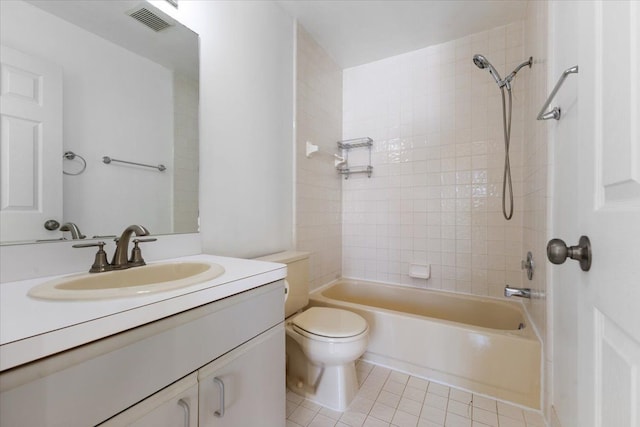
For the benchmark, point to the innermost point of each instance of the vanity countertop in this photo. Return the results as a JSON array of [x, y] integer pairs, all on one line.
[[32, 328]]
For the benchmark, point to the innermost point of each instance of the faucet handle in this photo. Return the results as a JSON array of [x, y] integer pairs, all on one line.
[[136, 254], [100, 263]]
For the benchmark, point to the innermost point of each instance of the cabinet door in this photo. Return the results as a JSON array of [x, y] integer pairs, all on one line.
[[173, 406], [246, 387]]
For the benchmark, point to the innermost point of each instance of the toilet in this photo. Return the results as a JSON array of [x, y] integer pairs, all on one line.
[[322, 343]]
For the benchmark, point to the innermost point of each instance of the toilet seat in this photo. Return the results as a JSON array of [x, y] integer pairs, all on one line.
[[330, 324]]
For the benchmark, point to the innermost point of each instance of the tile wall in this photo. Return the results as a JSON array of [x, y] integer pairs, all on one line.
[[318, 187], [435, 194]]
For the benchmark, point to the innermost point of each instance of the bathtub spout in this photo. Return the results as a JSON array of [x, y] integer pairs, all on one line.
[[517, 292]]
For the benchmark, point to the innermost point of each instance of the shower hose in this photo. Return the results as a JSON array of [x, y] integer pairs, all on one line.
[[506, 178]]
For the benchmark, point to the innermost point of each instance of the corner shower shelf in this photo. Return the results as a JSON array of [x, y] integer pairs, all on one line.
[[349, 144]]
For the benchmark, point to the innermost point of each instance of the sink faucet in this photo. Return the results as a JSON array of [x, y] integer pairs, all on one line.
[[120, 260], [75, 231]]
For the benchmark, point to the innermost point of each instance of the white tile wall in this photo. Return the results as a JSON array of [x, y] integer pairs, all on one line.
[[435, 194], [318, 186]]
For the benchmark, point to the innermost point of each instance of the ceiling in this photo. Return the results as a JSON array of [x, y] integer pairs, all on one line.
[[175, 47], [355, 32]]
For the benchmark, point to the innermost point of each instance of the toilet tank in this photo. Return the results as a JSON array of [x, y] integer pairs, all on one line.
[[297, 277]]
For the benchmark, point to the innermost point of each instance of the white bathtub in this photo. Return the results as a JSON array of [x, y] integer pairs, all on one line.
[[480, 344]]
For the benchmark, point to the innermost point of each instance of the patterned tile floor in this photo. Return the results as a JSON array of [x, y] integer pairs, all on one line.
[[389, 398]]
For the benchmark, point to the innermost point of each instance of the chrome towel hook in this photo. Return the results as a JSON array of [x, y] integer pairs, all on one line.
[[70, 155]]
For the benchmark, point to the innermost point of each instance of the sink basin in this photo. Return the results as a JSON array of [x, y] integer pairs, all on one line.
[[130, 282]]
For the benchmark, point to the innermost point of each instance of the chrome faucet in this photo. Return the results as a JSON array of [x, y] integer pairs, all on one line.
[[120, 260], [75, 231], [517, 292]]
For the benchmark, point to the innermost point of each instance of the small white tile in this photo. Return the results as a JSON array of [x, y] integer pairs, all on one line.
[[439, 389], [426, 423], [414, 393], [302, 416], [361, 404], [311, 405], [330, 413], [485, 403], [382, 411], [509, 422], [290, 407], [433, 414], [353, 419], [322, 421], [388, 399], [533, 419], [394, 387], [460, 395], [436, 401], [459, 408], [399, 377], [410, 406], [404, 419], [418, 383], [294, 397], [454, 420], [374, 422], [510, 411], [485, 417], [292, 424]]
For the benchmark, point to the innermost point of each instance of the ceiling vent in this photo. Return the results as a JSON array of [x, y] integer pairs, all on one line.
[[149, 18]]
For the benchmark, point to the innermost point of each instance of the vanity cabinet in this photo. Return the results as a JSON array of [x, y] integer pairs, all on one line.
[[144, 372], [242, 388], [174, 406]]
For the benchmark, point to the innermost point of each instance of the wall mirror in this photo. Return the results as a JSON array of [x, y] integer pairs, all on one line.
[[84, 80]]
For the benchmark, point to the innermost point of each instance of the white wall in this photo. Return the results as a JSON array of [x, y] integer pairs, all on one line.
[[246, 114], [435, 193], [186, 151], [537, 201], [128, 115], [564, 144]]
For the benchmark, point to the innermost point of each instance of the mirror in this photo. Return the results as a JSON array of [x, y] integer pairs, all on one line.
[[84, 80]]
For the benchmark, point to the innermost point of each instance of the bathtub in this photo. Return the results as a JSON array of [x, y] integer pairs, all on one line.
[[479, 344]]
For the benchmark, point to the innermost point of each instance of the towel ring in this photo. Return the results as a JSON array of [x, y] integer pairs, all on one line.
[[70, 155]]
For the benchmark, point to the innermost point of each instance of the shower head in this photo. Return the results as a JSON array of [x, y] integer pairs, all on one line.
[[482, 63]]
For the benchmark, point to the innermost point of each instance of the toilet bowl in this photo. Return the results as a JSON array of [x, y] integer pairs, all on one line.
[[322, 343], [329, 341]]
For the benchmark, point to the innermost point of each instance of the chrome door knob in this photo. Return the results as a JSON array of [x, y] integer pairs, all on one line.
[[557, 252]]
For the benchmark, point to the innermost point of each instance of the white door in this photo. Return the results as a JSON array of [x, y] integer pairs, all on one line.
[[597, 193], [30, 146]]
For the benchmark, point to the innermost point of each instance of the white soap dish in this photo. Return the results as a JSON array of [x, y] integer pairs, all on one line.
[[420, 271]]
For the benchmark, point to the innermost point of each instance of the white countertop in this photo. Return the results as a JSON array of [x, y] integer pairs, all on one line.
[[32, 328]]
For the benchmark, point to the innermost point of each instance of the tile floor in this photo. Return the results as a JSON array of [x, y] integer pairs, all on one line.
[[389, 398]]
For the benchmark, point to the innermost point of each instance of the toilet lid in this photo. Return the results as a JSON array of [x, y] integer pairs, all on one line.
[[330, 322]]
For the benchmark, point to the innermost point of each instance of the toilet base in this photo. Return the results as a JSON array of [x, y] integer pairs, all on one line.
[[331, 386]]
